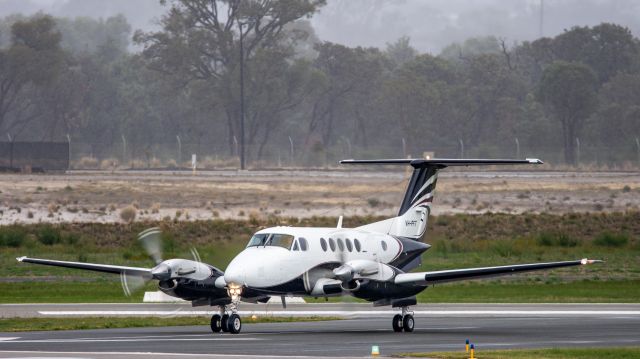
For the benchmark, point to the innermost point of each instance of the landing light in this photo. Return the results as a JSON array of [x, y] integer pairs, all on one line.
[[234, 290]]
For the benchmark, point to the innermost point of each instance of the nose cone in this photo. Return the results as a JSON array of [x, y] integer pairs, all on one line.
[[161, 272], [235, 271]]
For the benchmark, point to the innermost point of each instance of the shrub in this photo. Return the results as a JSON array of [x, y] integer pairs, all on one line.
[[128, 214], [607, 239], [12, 237], [373, 202], [109, 164], [559, 239], [49, 236], [155, 208], [626, 189], [87, 163]]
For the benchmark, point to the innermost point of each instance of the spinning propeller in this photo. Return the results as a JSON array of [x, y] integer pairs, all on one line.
[[167, 272]]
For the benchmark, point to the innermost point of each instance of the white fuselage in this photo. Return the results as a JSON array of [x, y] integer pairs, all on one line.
[[270, 266]]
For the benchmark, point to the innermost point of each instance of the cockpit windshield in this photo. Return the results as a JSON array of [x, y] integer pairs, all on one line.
[[271, 239]]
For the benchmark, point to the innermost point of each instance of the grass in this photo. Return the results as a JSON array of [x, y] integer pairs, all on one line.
[[36, 324], [555, 353], [458, 241]]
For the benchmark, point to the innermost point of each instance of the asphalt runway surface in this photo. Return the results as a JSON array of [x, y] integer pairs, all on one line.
[[440, 327]]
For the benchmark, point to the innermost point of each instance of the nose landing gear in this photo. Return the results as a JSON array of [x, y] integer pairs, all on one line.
[[225, 321], [403, 321]]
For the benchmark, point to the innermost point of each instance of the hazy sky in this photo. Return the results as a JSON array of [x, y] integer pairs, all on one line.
[[431, 24]]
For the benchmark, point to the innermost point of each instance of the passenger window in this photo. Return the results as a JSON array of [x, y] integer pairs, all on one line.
[[303, 243], [357, 244], [384, 245], [295, 246], [340, 245], [332, 244], [323, 244], [349, 245]]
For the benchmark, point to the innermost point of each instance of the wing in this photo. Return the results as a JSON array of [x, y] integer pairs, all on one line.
[[443, 276], [105, 268]]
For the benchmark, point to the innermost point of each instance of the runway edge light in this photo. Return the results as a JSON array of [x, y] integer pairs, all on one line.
[[375, 351], [466, 346]]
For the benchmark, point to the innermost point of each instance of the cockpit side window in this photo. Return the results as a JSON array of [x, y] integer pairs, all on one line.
[[280, 240], [258, 240]]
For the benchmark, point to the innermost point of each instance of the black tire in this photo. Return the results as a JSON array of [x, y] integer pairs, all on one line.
[[234, 323], [408, 323], [216, 323], [397, 323], [223, 323]]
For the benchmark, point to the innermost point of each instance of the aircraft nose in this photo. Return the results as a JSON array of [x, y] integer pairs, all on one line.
[[234, 273]]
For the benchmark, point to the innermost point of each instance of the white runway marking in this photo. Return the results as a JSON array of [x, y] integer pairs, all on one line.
[[363, 313], [134, 339], [2, 339], [83, 353]]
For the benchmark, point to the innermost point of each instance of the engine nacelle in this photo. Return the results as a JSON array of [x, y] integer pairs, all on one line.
[[325, 287], [350, 286]]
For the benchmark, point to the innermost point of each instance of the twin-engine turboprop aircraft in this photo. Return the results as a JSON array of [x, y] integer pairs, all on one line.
[[371, 262]]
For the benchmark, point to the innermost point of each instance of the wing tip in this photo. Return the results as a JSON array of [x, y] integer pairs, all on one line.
[[585, 261], [535, 161], [20, 259]]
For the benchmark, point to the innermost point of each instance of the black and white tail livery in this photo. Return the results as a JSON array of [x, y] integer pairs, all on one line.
[[411, 222]]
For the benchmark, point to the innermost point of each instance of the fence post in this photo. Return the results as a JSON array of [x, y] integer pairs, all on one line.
[[179, 150], [10, 151], [69, 154], [291, 149], [124, 150]]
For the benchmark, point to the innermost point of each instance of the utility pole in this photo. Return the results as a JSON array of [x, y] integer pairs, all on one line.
[[541, 28], [124, 150], [577, 151], [517, 148], [242, 159], [638, 147], [461, 148]]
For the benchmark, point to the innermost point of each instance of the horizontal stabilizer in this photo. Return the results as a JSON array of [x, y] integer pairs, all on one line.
[[443, 162], [105, 268], [443, 276]]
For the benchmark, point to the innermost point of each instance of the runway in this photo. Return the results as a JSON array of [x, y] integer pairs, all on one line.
[[438, 327]]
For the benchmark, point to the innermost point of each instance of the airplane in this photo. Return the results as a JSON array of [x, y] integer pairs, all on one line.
[[373, 262]]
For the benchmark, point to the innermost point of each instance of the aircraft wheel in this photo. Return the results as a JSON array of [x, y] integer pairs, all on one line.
[[223, 323], [216, 323], [408, 323], [397, 323], [234, 323]]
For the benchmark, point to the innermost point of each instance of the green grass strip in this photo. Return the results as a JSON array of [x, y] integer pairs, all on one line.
[[38, 324], [557, 353]]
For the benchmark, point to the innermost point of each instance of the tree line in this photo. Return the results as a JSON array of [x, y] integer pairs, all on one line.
[[118, 93]]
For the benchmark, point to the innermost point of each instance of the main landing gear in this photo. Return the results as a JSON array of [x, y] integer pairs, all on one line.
[[403, 321], [227, 323]]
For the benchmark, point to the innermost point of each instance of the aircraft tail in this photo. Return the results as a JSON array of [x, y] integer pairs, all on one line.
[[415, 208]]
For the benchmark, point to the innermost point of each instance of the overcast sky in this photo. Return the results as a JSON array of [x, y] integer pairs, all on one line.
[[431, 24]]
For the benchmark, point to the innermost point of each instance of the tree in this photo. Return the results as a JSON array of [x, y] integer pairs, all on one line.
[[200, 40], [568, 90], [33, 59]]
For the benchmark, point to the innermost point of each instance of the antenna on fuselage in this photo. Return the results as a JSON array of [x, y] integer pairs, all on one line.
[[339, 222]]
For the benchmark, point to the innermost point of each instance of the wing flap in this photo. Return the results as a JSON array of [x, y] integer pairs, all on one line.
[[104, 268], [443, 276]]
